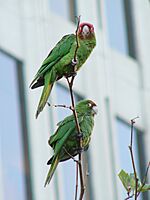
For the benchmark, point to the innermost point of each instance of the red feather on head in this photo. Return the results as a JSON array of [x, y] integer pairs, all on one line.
[[91, 27]]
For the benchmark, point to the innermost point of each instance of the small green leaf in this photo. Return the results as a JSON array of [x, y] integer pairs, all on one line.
[[126, 180], [145, 188], [132, 181]]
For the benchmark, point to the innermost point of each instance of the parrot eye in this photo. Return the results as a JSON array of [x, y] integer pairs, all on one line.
[[80, 29], [92, 29], [90, 105]]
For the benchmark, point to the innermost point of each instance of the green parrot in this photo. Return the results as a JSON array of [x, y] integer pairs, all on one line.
[[65, 141], [60, 61]]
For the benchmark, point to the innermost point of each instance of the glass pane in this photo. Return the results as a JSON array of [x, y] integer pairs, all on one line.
[[69, 166], [64, 8], [123, 135], [116, 25], [11, 148], [61, 8]]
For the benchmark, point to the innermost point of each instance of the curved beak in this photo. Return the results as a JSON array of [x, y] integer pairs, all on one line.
[[95, 109]]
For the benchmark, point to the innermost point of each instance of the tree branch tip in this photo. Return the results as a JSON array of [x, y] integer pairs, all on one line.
[[70, 84], [48, 104], [71, 108], [87, 173], [134, 119], [80, 135], [78, 17]]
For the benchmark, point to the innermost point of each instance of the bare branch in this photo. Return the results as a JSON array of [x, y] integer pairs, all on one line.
[[60, 106], [81, 178], [132, 127], [70, 155], [132, 157], [70, 83], [144, 180], [72, 107], [129, 197], [146, 173], [78, 23], [77, 175]]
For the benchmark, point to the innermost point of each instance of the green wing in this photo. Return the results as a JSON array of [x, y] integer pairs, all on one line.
[[67, 119], [67, 124], [87, 124], [58, 148], [61, 49]]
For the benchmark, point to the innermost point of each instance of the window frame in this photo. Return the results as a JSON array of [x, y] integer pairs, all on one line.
[[72, 11], [129, 49], [24, 129], [140, 150]]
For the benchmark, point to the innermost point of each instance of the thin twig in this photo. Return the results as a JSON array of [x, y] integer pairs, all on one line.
[[129, 197], [70, 155], [132, 127], [144, 180], [75, 55], [132, 157], [77, 175], [81, 178], [70, 83], [76, 188], [60, 106], [76, 119]]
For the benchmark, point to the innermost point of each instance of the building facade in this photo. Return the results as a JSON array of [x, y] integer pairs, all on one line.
[[116, 77]]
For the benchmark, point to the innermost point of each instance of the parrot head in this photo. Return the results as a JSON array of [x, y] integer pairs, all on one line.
[[86, 30], [87, 106]]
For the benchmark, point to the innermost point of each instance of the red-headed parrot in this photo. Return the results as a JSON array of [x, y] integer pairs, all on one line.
[[65, 141], [60, 61]]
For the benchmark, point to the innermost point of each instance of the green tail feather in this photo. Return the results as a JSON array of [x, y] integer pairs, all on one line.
[[52, 170], [45, 94]]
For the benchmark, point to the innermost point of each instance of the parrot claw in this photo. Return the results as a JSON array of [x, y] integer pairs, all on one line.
[[74, 74], [71, 74], [74, 62], [80, 149], [80, 135]]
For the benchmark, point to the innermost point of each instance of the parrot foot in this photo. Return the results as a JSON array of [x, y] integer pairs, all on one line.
[[74, 62], [70, 155], [80, 149], [77, 161], [71, 74], [80, 135], [74, 74]]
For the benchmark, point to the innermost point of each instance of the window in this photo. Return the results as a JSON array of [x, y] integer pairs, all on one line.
[[64, 8], [119, 26], [15, 178], [123, 135], [86, 160]]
